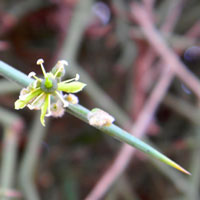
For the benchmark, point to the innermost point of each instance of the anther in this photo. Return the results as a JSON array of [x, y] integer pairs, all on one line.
[[63, 62], [40, 62]]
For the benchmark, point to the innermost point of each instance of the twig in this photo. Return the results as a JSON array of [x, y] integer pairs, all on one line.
[[183, 108], [77, 27], [174, 12], [13, 125], [194, 31], [13, 74], [145, 61], [167, 54], [174, 40]]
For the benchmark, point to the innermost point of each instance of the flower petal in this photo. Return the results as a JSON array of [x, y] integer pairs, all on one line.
[[72, 87], [21, 103], [38, 101], [57, 109], [61, 97], [44, 109], [59, 70]]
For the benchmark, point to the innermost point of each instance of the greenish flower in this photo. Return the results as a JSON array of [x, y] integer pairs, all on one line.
[[47, 94]]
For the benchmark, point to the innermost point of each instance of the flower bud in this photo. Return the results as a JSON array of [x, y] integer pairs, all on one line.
[[59, 70], [99, 118]]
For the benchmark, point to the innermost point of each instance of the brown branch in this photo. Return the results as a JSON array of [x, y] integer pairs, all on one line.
[[161, 47], [173, 15], [175, 41]]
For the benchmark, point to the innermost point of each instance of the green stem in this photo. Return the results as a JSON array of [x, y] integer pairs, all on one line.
[[123, 136], [9, 156], [30, 160], [14, 74], [12, 126], [81, 112]]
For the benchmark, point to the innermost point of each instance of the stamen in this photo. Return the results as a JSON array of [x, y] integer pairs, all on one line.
[[35, 83], [40, 62], [77, 77], [72, 79], [33, 74], [59, 70], [63, 62], [66, 104], [31, 106]]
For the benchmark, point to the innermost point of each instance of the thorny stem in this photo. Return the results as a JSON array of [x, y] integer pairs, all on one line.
[[14, 75], [112, 130]]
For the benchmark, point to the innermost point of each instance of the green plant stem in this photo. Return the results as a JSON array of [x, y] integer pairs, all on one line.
[[14, 74], [8, 164], [30, 159], [8, 118], [179, 181], [112, 130], [120, 134], [82, 15], [12, 126]]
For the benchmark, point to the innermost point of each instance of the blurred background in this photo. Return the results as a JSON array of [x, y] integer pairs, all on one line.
[[138, 58]]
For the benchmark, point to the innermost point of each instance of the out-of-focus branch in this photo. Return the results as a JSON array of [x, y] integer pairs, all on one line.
[[21, 8], [30, 160], [8, 87], [73, 39], [183, 108], [161, 47], [174, 40], [13, 125], [174, 12]]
